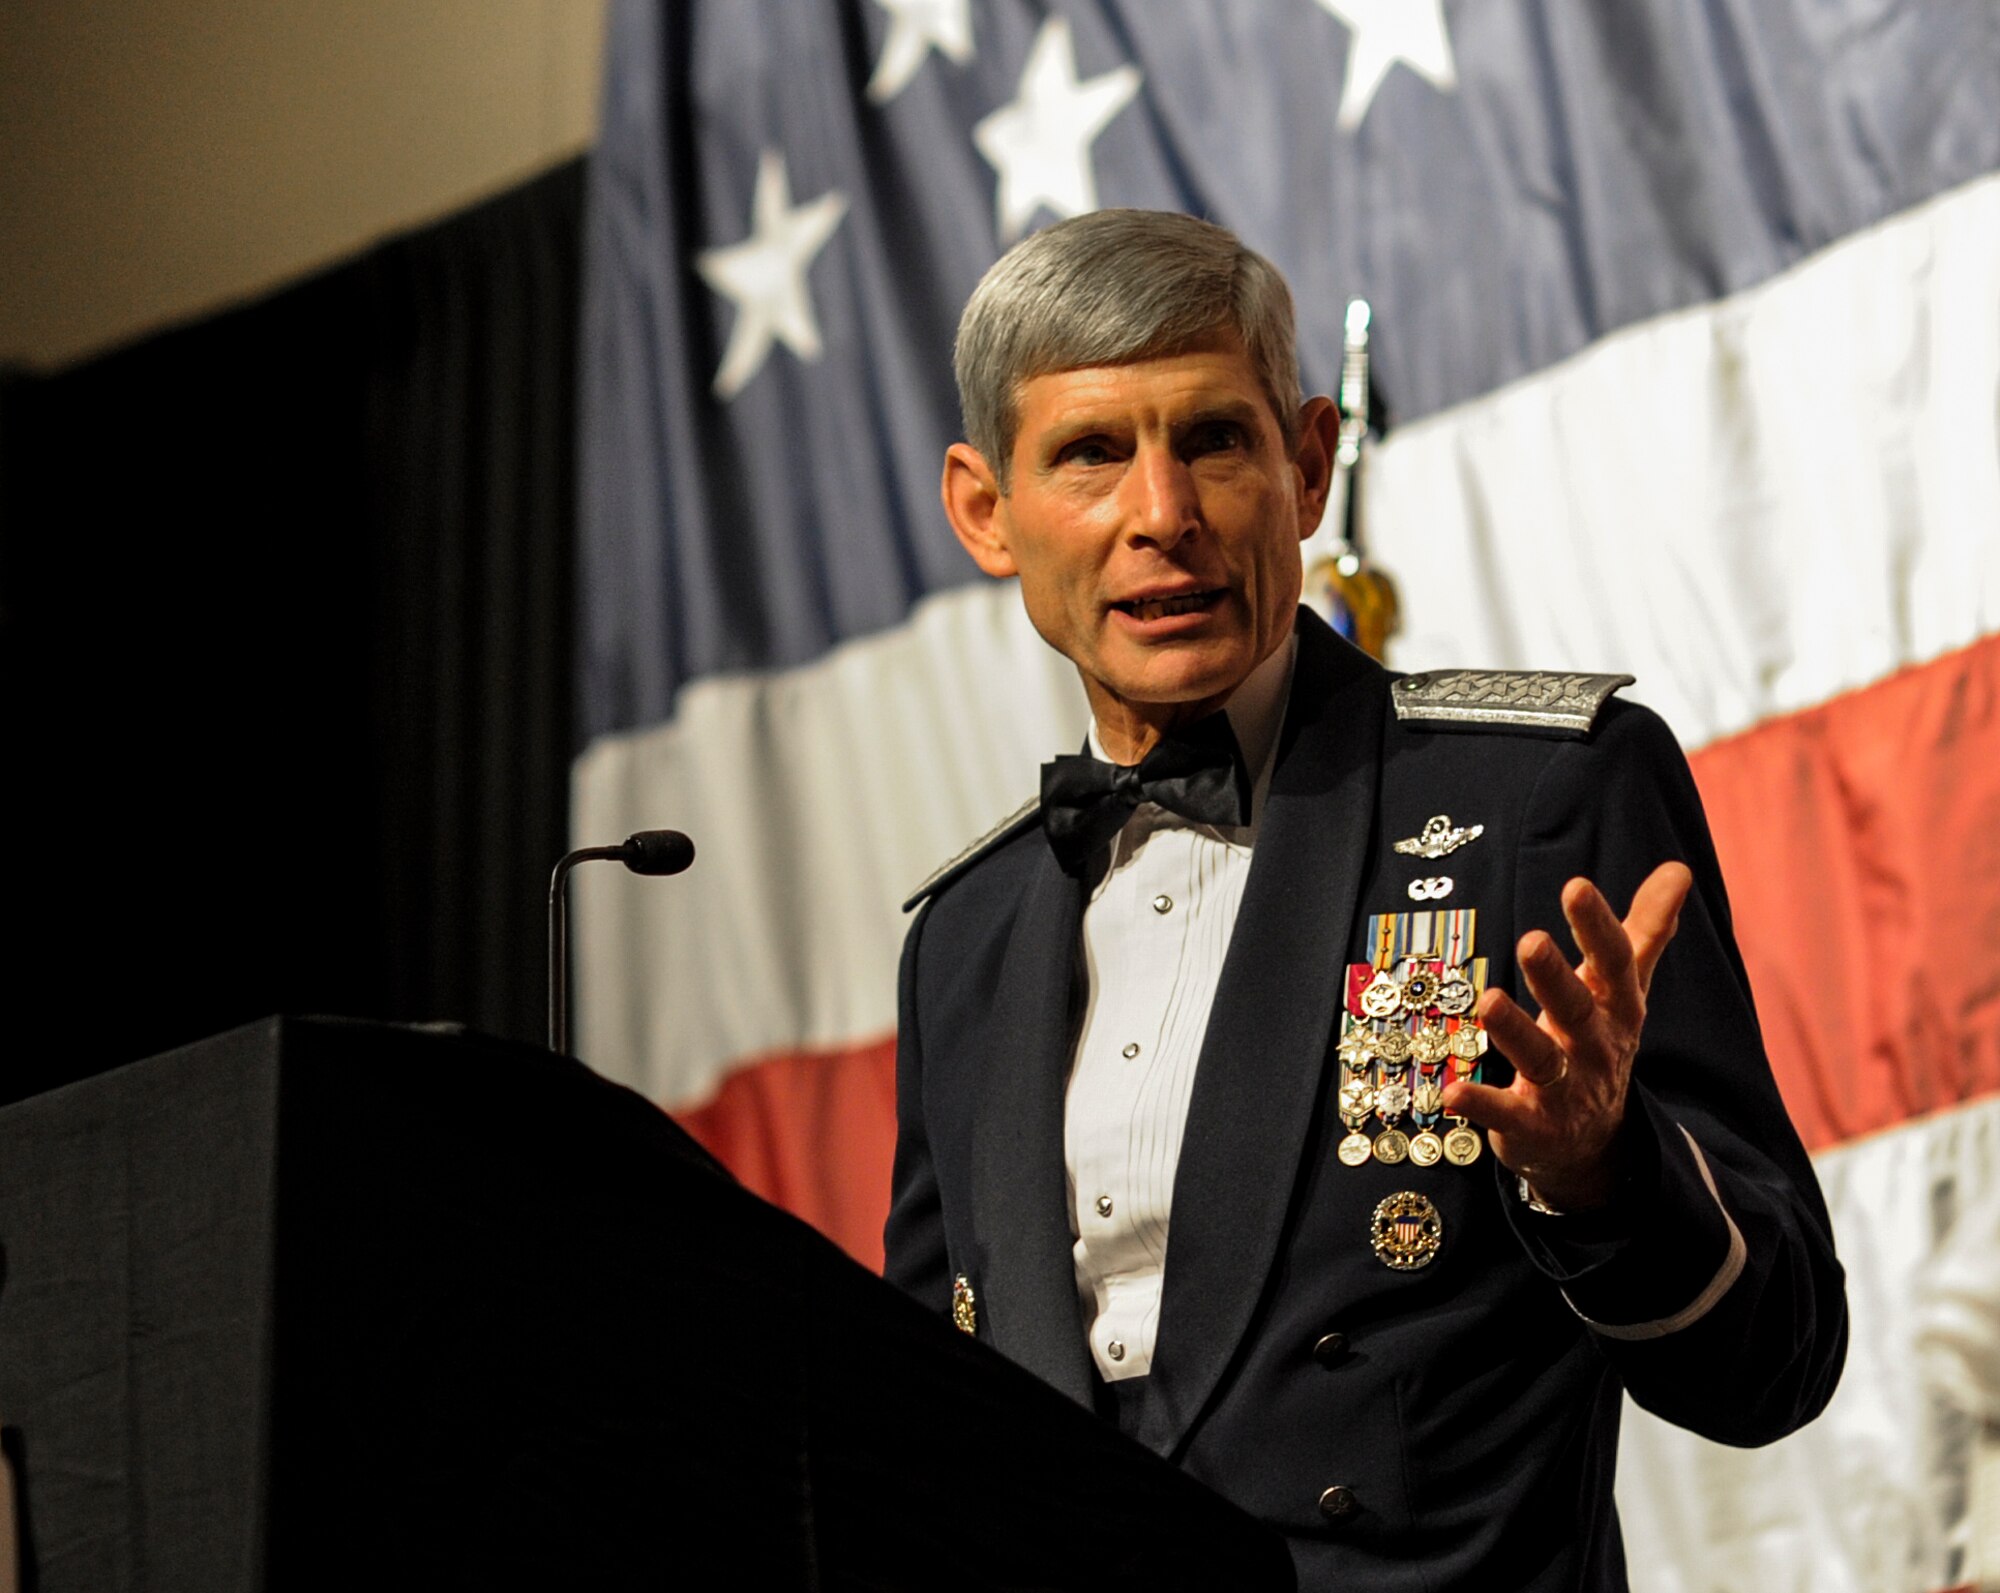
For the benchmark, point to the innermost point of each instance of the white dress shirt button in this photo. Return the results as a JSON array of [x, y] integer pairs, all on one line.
[[1163, 904], [1115, 1349], [1103, 1205], [1131, 1050]]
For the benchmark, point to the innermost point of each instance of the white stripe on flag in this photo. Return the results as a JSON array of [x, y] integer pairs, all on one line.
[[1752, 506], [818, 798]]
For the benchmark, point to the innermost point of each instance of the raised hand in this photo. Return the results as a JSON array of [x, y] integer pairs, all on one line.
[[1556, 1124]]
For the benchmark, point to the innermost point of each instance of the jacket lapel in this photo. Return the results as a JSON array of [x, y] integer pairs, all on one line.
[[1263, 1059], [1020, 1189]]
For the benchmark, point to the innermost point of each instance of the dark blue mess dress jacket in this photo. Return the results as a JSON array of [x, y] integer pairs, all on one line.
[[1464, 1409]]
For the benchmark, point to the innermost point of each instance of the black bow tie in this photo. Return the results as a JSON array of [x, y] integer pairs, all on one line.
[[1197, 772]]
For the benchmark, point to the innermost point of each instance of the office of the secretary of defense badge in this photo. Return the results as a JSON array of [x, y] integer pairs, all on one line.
[[1406, 1231], [1406, 1031], [964, 1305]]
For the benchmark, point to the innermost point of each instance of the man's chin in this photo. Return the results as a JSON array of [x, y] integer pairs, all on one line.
[[1170, 687]]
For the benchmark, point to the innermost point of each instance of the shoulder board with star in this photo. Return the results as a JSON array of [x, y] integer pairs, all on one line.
[[1539, 701], [1021, 818]]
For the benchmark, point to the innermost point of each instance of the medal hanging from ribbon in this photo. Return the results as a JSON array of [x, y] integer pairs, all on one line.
[[1406, 1031]]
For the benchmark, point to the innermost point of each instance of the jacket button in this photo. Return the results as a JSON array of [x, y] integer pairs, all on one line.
[[1329, 1350], [1338, 1503]]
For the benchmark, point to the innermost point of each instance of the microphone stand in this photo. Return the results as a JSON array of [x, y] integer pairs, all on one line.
[[646, 852]]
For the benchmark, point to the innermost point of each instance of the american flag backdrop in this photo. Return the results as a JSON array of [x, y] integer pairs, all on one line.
[[1687, 324]]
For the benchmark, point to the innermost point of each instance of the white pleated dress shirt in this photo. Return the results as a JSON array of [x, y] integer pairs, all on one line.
[[1155, 931]]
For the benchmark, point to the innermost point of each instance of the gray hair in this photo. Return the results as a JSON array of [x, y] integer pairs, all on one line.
[[1110, 287]]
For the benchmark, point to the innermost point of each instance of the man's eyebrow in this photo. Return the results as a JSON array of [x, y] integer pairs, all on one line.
[[1239, 410], [1085, 422]]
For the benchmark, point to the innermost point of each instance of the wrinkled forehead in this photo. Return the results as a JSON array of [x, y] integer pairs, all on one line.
[[1221, 339]]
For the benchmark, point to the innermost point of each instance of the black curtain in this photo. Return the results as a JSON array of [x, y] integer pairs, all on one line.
[[286, 626]]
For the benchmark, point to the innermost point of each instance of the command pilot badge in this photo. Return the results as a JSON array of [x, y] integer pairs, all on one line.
[[964, 1305], [1440, 837]]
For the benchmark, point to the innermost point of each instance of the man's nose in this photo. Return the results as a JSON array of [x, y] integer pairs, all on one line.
[[1164, 505]]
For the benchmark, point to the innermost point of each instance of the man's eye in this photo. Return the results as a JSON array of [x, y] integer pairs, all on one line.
[[1214, 438], [1089, 451]]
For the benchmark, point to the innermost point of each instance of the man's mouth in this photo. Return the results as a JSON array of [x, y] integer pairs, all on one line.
[[1152, 608]]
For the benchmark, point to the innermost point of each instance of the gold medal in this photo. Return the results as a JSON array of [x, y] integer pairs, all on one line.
[[1356, 1046], [1420, 988], [1426, 1148], [1391, 1147], [1355, 1149], [1429, 1045], [1467, 1042], [1406, 1231], [1427, 1100], [1382, 997], [1393, 1045], [1461, 1145], [1357, 1100]]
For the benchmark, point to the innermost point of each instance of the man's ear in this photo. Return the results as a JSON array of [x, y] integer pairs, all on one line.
[[972, 502], [1319, 432]]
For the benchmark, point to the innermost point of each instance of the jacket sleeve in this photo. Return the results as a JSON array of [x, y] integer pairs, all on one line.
[[913, 1243], [1710, 1283]]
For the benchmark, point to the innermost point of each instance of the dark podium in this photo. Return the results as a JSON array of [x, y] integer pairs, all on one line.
[[330, 1304]]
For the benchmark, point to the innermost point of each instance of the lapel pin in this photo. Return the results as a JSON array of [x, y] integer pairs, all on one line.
[[964, 1305], [1434, 889], [1438, 837]]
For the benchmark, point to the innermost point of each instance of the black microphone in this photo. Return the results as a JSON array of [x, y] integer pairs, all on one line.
[[655, 852], [645, 852]]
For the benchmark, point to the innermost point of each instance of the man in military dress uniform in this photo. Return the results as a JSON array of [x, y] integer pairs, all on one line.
[[1257, 971]]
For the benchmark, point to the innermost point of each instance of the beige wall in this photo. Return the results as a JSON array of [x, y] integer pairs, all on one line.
[[159, 160]]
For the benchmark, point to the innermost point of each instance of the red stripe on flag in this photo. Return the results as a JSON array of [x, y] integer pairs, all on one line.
[[1861, 842], [813, 1132]]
